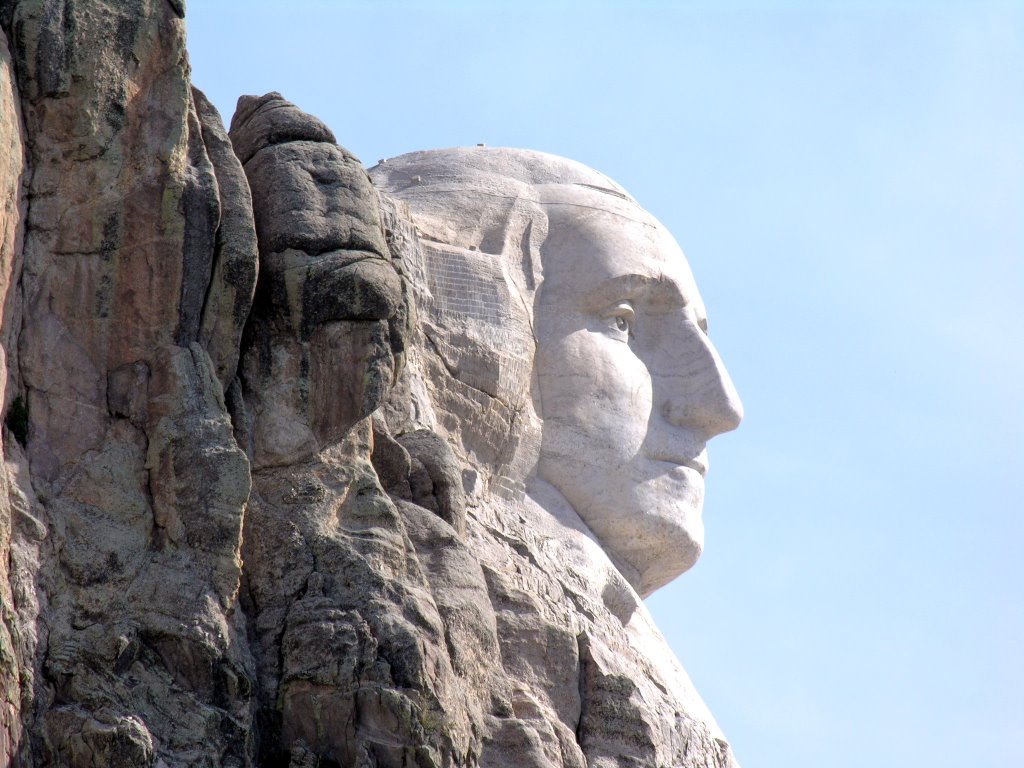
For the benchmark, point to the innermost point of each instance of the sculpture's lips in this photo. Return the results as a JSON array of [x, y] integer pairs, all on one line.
[[697, 464]]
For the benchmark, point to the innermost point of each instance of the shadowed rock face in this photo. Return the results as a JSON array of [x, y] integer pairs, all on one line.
[[281, 521], [349, 644], [327, 330]]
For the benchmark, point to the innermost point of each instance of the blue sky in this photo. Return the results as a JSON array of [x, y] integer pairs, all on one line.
[[847, 181]]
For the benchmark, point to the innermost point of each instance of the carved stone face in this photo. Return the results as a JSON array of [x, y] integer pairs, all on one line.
[[630, 387]]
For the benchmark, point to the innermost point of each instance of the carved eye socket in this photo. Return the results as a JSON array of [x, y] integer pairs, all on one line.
[[620, 320]]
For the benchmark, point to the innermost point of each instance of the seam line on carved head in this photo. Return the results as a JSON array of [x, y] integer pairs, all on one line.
[[434, 190], [605, 190]]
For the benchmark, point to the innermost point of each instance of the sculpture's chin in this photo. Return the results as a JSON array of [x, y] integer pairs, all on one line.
[[653, 529], [648, 520], [666, 540]]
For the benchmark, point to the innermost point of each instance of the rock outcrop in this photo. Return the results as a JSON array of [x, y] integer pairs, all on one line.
[[234, 528], [127, 489]]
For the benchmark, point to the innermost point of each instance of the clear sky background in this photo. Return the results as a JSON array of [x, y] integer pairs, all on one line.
[[847, 181]]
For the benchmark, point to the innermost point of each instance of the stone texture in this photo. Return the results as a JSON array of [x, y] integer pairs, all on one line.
[[233, 279], [413, 604], [326, 333], [562, 356], [13, 656], [349, 645], [290, 454], [136, 275]]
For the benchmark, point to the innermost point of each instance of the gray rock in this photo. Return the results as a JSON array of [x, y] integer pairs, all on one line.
[[321, 353], [270, 119], [235, 256], [16, 639], [264, 491], [125, 511], [435, 477]]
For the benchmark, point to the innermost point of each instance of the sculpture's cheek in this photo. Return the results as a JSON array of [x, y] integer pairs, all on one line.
[[600, 432], [595, 397]]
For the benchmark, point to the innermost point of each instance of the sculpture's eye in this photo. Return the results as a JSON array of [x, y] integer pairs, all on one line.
[[620, 320]]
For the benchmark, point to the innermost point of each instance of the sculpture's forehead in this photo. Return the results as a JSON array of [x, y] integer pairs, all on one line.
[[487, 198], [487, 172], [596, 240], [568, 203], [587, 220]]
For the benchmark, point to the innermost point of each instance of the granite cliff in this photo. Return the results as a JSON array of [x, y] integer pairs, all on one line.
[[230, 532]]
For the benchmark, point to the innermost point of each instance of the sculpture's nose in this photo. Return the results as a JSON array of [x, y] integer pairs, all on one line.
[[700, 394]]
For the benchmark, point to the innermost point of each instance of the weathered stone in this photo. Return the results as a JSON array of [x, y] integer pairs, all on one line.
[[77, 739], [530, 645], [300, 471], [338, 598], [126, 513], [581, 446], [200, 207], [320, 354], [322, 198], [13, 659], [270, 119], [128, 392], [391, 462], [439, 488], [236, 255]]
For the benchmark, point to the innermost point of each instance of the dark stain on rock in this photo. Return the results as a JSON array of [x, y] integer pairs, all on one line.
[[17, 420], [53, 55]]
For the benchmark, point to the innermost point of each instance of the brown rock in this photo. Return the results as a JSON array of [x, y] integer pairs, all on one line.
[[136, 273]]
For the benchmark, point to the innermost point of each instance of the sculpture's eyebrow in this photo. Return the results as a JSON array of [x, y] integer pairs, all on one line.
[[654, 288]]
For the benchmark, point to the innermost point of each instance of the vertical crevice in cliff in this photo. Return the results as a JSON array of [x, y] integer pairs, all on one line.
[[201, 214], [232, 282], [17, 544]]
